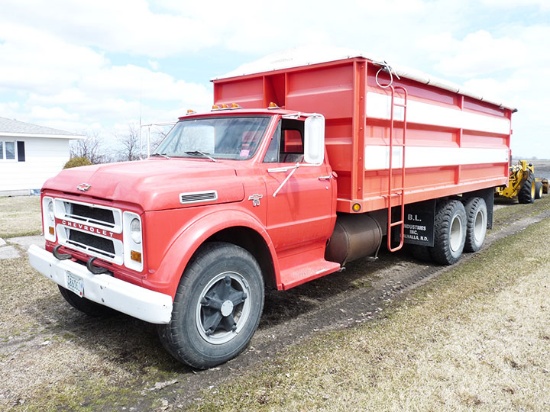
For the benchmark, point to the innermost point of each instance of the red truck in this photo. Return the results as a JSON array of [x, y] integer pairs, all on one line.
[[297, 170]]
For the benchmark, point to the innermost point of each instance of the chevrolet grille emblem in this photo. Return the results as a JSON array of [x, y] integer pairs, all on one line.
[[84, 187]]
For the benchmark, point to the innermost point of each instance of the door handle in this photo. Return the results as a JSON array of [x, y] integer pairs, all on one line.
[[327, 177]]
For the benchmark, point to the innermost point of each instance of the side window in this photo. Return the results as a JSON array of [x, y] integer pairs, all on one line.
[[287, 145], [12, 151], [293, 141], [7, 150]]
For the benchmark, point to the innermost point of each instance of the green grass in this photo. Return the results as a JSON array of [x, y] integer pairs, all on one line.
[[20, 216]]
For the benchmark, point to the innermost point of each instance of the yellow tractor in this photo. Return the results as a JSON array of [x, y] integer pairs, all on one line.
[[522, 184]]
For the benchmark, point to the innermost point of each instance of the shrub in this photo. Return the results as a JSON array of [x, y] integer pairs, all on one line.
[[76, 162]]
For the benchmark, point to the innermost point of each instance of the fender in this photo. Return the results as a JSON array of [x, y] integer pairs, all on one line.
[[166, 279]]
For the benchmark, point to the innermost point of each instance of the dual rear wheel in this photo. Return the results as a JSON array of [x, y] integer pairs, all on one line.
[[458, 227]]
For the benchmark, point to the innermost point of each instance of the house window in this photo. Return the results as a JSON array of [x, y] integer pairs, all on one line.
[[10, 150]]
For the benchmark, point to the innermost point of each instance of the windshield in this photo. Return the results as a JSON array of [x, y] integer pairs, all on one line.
[[232, 137]]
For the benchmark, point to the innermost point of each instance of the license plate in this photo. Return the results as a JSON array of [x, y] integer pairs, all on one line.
[[75, 284]]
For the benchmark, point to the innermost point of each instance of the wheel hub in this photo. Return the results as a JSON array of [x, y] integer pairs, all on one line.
[[227, 308], [223, 307]]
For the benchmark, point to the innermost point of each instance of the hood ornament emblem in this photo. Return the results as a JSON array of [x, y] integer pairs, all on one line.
[[84, 187]]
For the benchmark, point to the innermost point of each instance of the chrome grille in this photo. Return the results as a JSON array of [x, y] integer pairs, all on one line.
[[90, 229], [93, 215], [92, 244]]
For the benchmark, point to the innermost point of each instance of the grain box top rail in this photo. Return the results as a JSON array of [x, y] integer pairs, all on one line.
[[310, 56]]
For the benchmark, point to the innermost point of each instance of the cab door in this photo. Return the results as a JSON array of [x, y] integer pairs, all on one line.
[[301, 200]]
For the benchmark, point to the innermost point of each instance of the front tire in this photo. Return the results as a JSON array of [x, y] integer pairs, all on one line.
[[476, 214], [449, 232], [86, 306], [217, 307], [528, 190]]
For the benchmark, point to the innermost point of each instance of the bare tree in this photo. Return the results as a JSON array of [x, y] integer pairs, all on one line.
[[90, 148], [130, 144], [153, 134]]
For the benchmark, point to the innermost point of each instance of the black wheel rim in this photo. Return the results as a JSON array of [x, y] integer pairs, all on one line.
[[223, 308]]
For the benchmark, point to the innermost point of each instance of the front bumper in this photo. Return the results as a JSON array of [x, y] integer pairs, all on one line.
[[133, 300]]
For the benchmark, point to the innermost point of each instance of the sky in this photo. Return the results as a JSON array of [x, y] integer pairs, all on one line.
[[95, 67]]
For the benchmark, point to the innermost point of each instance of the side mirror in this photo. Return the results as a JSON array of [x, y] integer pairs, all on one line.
[[314, 139]]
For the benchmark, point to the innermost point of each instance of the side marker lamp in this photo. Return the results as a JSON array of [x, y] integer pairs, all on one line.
[[135, 256]]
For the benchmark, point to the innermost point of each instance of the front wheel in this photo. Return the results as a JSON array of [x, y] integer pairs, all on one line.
[[528, 190], [86, 306], [217, 307]]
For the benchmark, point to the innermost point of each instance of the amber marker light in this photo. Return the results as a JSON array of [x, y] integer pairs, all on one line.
[[135, 256], [356, 207], [272, 105]]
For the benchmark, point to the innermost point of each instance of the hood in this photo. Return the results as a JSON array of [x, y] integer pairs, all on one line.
[[155, 184]]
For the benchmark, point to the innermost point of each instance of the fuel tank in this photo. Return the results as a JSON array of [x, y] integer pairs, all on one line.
[[354, 237]]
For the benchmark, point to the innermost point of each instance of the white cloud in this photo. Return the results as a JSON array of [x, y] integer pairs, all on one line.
[[33, 59], [480, 53], [100, 63], [542, 4]]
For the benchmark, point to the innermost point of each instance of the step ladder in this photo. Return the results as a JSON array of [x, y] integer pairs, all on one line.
[[396, 186]]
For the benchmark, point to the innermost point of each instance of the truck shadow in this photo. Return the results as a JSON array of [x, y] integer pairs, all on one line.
[[281, 306]]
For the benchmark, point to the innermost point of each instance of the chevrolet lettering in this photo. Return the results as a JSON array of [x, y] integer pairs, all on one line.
[[86, 228]]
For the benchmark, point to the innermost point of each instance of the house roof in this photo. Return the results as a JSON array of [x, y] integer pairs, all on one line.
[[15, 128]]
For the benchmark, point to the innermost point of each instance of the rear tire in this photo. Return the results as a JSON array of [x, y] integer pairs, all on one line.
[[449, 232], [538, 190], [527, 191], [476, 214], [86, 306], [217, 307]]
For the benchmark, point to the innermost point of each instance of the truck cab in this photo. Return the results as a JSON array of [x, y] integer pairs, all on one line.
[[252, 182]]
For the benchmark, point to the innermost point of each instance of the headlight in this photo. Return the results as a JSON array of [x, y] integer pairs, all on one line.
[[50, 210], [133, 241], [135, 230], [48, 217]]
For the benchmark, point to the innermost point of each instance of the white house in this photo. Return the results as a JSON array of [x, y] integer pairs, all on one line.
[[29, 155]]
